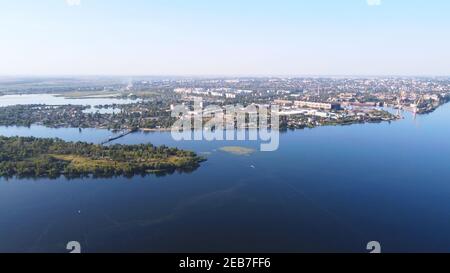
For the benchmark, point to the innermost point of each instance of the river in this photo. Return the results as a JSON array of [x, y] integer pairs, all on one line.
[[327, 189]]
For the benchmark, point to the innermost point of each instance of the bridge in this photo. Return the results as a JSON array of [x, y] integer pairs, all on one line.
[[112, 138]]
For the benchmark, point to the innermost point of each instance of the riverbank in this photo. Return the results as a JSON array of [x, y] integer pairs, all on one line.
[[155, 129], [73, 116]]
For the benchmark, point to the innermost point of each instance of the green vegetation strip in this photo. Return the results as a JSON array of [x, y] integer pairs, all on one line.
[[237, 150], [42, 157]]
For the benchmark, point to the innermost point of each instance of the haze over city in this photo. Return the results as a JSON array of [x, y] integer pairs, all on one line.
[[224, 135], [199, 37]]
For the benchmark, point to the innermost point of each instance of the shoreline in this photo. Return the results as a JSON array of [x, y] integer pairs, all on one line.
[[163, 130], [149, 130]]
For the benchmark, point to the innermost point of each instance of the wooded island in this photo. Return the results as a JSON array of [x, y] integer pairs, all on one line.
[[45, 157]]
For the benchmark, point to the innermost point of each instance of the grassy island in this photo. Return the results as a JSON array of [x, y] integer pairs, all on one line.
[[42, 157], [237, 150]]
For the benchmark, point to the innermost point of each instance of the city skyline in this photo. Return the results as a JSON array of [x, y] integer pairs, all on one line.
[[199, 38]]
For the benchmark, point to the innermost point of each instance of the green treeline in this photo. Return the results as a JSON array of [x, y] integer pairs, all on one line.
[[42, 157], [139, 115]]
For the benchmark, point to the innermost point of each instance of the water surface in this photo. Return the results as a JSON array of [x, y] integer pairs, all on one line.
[[51, 99], [328, 189]]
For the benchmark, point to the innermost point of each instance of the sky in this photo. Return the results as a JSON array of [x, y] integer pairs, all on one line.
[[225, 37]]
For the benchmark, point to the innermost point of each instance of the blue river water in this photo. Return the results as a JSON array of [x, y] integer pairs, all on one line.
[[328, 189]]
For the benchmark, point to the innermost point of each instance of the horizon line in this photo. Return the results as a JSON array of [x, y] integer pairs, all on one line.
[[226, 75]]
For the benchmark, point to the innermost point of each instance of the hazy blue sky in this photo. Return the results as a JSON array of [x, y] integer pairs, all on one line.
[[225, 37]]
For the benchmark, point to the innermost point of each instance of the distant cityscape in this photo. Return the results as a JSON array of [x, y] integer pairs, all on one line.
[[303, 102]]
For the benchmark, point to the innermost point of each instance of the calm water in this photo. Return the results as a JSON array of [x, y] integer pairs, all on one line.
[[329, 189], [49, 99]]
